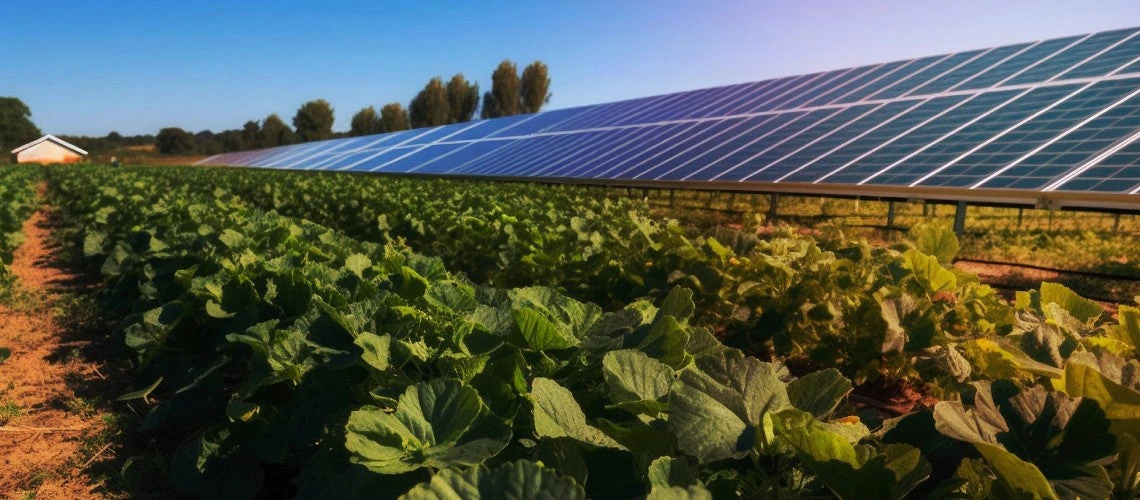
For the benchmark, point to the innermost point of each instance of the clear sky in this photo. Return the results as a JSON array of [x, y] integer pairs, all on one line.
[[90, 67]]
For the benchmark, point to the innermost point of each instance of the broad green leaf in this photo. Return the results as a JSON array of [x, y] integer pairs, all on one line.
[[632, 376], [694, 492], [1061, 436], [672, 471], [1118, 402], [1079, 307], [438, 424], [1129, 328], [357, 263], [937, 240], [678, 304], [851, 471], [377, 349], [929, 272], [1018, 478], [513, 480], [819, 393], [717, 410], [539, 333], [557, 414]]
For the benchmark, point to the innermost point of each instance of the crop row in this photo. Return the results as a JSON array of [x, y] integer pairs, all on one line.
[[360, 368], [17, 202]]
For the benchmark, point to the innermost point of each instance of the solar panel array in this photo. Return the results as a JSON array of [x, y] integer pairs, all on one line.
[[1049, 116]]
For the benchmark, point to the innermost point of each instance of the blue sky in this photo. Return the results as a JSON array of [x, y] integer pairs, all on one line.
[[134, 67]]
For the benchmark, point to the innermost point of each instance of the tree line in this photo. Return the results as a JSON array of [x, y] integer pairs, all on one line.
[[438, 103]]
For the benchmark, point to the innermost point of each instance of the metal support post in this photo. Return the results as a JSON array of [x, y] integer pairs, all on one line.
[[960, 219], [773, 205]]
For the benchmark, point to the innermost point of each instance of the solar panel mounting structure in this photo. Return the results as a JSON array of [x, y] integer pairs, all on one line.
[[1048, 123]]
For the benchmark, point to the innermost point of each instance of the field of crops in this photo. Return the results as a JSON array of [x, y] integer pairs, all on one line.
[[346, 336]]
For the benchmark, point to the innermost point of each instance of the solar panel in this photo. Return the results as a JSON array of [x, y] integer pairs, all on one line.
[[1026, 120]]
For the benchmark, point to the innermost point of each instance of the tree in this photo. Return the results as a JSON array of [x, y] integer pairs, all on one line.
[[366, 122], [16, 127], [233, 140], [251, 134], [503, 98], [534, 88], [207, 143], [394, 118], [462, 98], [174, 141], [274, 132], [430, 107], [314, 121]]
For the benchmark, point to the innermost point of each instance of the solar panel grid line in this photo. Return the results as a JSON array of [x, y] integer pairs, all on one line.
[[749, 101], [583, 153], [900, 67], [690, 148], [590, 159], [1111, 59], [384, 150], [994, 65], [778, 102], [401, 151], [744, 99], [1070, 58], [716, 101], [776, 144], [502, 156], [1058, 137], [1002, 133], [1135, 190], [685, 99], [768, 92], [741, 133], [1094, 56], [799, 83], [1092, 162], [616, 116], [797, 141], [628, 135], [800, 99], [905, 71], [542, 148], [896, 138], [442, 141], [872, 74], [915, 91], [306, 162], [459, 168], [872, 108], [749, 143], [853, 139], [1043, 60], [290, 157], [908, 77], [655, 140]]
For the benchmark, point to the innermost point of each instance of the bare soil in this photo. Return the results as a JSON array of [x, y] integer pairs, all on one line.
[[55, 435]]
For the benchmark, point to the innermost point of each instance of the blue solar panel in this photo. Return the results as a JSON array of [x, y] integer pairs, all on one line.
[[1053, 115]]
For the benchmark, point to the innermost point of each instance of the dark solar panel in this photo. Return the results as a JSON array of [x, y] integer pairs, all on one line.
[[1053, 115]]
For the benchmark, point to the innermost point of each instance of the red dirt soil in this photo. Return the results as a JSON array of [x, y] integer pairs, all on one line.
[[41, 449]]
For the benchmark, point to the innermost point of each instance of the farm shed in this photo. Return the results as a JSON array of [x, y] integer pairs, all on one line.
[[49, 149]]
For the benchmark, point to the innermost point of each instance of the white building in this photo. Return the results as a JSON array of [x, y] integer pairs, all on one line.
[[49, 149]]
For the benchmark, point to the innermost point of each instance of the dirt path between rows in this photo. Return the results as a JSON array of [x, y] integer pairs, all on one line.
[[51, 426]]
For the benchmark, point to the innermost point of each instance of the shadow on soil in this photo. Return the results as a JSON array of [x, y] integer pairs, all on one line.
[[123, 461]]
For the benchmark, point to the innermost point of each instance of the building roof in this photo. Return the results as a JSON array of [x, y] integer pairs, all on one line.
[[50, 138]]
